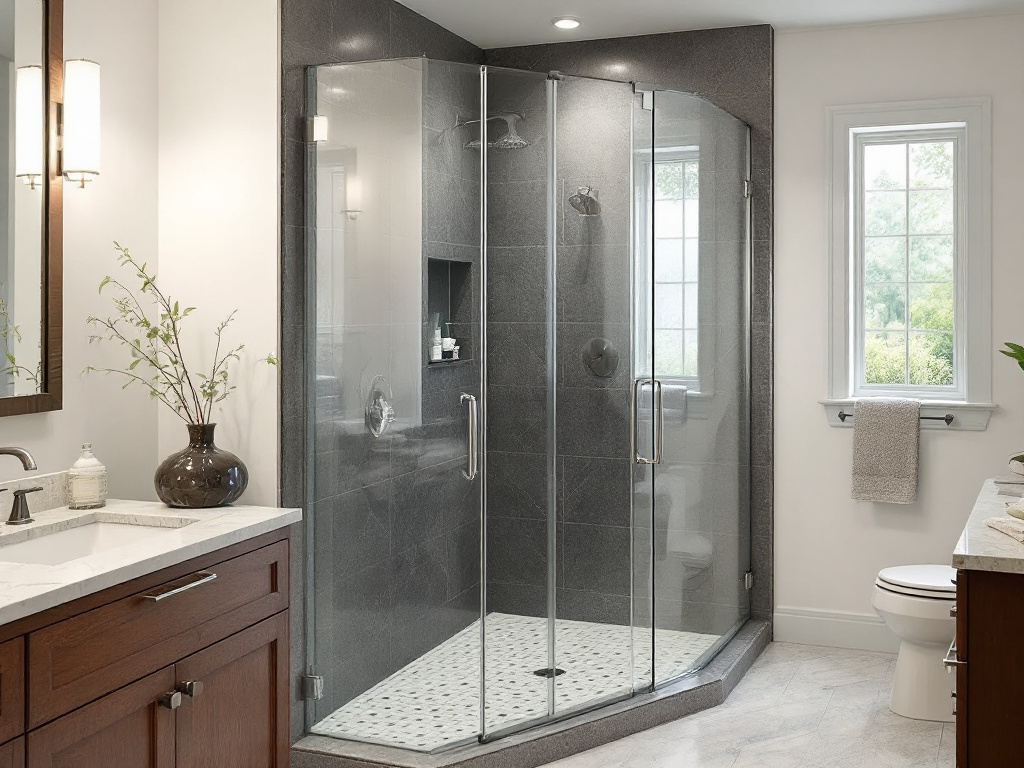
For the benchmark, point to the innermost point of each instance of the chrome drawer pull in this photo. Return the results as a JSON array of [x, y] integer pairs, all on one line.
[[170, 700], [191, 688], [206, 578], [951, 660]]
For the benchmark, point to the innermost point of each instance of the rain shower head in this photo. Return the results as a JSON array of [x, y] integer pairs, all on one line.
[[585, 202], [511, 139]]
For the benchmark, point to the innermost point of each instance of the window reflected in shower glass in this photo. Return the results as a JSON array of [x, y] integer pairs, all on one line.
[[676, 264]]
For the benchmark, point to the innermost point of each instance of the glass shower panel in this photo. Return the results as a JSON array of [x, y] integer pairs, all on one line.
[[642, 492], [593, 605], [698, 223], [520, 455], [394, 200]]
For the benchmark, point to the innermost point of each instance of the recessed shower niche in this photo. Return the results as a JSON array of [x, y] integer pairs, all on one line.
[[540, 532], [449, 310]]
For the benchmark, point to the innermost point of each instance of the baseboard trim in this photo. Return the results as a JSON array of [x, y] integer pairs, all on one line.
[[858, 631]]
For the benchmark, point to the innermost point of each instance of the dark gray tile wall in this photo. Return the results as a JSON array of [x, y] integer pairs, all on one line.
[[732, 68], [322, 32]]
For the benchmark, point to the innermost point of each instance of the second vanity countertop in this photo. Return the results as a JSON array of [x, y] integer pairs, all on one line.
[[28, 588], [983, 549]]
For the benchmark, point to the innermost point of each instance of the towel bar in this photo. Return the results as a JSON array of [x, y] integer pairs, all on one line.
[[948, 418]]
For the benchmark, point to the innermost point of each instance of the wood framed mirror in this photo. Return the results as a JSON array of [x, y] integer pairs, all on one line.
[[31, 206]]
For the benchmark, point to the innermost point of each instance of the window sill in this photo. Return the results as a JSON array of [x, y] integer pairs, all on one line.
[[967, 417]]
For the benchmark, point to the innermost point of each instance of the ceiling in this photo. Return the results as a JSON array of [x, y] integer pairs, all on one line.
[[497, 23]]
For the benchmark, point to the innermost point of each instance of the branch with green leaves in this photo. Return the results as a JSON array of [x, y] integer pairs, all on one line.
[[11, 332], [1014, 351], [153, 340]]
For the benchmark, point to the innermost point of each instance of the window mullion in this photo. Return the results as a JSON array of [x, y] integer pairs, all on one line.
[[906, 267]]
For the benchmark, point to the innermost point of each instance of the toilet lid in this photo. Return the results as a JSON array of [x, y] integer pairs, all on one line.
[[923, 580]]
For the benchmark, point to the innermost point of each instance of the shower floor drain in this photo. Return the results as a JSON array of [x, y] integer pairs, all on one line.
[[549, 672]]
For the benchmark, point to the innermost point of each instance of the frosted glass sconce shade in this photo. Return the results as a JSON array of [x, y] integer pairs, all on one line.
[[321, 130], [29, 125], [80, 154]]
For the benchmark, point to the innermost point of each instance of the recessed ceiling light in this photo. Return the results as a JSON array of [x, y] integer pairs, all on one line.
[[566, 22]]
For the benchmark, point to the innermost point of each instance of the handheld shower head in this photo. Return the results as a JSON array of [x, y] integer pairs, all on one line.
[[585, 202]]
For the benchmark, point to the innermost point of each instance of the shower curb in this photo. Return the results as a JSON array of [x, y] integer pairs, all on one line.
[[554, 741]]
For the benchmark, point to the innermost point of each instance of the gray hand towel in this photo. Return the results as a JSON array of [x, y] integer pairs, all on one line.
[[886, 438]]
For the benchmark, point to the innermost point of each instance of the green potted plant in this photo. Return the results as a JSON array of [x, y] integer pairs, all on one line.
[[1016, 352], [147, 323]]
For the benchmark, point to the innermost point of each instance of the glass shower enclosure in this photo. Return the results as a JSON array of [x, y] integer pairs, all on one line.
[[530, 451]]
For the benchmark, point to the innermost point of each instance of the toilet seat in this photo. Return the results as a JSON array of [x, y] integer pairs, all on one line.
[[931, 581]]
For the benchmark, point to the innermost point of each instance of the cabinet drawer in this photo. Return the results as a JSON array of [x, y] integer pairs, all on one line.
[[83, 658], [12, 690]]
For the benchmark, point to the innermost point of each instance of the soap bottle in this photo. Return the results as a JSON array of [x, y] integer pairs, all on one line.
[[435, 345], [87, 481]]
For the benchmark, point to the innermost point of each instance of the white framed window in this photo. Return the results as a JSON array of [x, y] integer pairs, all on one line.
[[910, 200], [676, 263], [668, 291]]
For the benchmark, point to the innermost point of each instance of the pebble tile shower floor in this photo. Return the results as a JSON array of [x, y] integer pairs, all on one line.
[[434, 701]]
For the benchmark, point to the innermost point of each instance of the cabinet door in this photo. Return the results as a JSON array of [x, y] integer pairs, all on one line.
[[125, 729], [12, 689], [237, 715], [962, 692], [12, 754]]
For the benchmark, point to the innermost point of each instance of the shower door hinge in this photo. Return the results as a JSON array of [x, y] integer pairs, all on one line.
[[748, 188], [312, 686], [748, 580]]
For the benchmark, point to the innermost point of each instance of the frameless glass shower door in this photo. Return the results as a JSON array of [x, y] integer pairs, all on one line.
[[556, 622], [691, 495]]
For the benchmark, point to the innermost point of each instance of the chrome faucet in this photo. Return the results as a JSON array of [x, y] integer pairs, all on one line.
[[24, 456], [19, 512]]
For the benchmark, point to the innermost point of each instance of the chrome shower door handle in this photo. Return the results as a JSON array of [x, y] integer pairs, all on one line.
[[471, 435], [658, 400], [659, 421]]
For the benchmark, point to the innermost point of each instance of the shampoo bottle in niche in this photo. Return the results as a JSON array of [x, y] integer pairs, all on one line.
[[87, 481]]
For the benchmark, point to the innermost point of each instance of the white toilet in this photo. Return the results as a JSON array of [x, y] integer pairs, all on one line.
[[915, 601]]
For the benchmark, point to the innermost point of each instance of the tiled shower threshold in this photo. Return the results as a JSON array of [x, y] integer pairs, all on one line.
[[546, 743]]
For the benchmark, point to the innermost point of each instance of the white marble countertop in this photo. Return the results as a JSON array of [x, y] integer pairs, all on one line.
[[28, 588], [983, 549]]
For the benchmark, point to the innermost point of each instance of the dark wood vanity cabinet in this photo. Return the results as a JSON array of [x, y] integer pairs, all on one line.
[[185, 668], [12, 754], [987, 655]]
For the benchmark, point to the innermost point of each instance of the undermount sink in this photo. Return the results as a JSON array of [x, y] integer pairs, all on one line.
[[71, 539]]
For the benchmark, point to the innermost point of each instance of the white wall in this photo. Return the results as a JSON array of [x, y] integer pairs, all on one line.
[[190, 150], [121, 204], [828, 548], [218, 211]]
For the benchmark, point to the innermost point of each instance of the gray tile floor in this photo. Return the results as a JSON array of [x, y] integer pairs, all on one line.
[[799, 706]]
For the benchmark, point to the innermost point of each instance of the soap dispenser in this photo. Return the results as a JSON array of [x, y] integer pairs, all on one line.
[[87, 481]]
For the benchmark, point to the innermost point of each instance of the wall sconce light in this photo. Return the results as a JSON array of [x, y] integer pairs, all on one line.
[[353, 196], [29, 125], [319, 128], [80, 148]]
